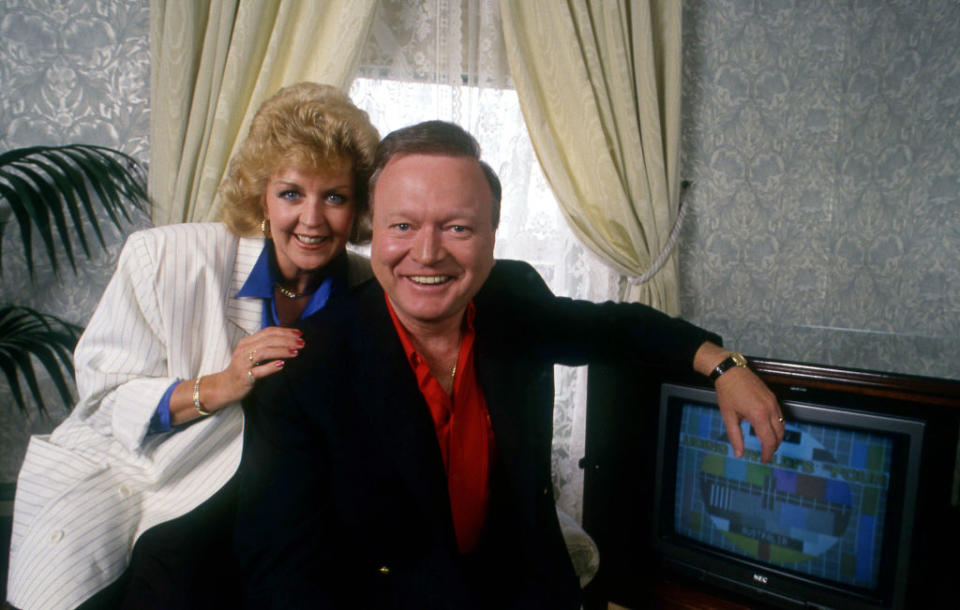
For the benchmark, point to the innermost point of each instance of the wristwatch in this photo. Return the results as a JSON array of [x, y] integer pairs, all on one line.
[[734, 359]]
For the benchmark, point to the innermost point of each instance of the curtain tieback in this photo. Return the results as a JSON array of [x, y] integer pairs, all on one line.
[[671, 241]]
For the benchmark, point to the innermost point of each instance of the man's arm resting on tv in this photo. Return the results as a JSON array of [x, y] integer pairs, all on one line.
[[742, 395]]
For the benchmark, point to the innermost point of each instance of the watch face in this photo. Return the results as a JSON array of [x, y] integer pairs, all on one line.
[[738, 359]]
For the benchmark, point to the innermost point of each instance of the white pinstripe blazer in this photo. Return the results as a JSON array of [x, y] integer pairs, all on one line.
[[89, 489]]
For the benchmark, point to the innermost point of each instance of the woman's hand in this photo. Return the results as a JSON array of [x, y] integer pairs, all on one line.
[[260, 355]]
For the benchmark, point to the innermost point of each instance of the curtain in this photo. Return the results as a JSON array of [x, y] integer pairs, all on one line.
[[445, 59], [599, 84], [213, 63]]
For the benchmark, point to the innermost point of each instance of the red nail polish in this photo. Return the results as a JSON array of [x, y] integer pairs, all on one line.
[[294, 352], [278, 364]]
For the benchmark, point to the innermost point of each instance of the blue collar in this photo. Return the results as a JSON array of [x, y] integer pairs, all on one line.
[[259, 284]]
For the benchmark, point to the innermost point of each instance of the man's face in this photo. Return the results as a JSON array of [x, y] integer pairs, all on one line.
[[433, 236]]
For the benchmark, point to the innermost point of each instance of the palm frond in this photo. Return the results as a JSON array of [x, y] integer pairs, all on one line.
[[25, 332], [47, 186]]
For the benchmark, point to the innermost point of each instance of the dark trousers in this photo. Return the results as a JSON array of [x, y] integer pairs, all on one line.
[[181, 564]]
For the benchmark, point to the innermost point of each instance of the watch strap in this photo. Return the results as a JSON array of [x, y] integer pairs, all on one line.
[[733, 360]]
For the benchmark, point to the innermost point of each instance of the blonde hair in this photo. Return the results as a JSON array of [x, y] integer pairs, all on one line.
[[303, 126]]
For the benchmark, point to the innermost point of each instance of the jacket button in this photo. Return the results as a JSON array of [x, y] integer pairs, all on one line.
[[124, 491], [384, 570], [545, 491], [56, 536]]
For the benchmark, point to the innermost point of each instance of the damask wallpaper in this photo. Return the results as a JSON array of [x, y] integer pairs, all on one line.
[[821, 136], [823, 141]]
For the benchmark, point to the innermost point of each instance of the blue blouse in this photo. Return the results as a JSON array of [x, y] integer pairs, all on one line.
[[260, 284]]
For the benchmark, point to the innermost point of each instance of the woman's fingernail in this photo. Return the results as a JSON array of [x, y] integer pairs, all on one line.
[[278, 364], [294, 352], [300, 342]]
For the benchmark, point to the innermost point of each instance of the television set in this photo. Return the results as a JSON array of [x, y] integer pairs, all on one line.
[[827, 523]]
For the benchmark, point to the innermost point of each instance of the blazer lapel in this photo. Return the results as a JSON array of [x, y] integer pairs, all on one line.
[[518, 391], [388, 388], [387, 391], [245, 312], [503, 405]]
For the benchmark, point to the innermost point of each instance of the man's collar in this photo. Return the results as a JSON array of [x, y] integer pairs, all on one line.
[[412, 355]]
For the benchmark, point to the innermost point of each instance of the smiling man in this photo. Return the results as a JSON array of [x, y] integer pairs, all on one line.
[[403, 461], [433, 238]]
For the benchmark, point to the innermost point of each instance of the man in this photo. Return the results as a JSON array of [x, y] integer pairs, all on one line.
[[403, 461]]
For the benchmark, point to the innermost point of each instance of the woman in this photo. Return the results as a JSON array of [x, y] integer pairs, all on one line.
[[193, 316]]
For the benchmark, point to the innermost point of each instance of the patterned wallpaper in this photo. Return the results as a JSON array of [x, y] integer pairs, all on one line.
[[823, 141], [70, 71]]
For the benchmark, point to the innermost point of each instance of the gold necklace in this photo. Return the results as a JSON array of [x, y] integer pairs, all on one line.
[[289, 293]]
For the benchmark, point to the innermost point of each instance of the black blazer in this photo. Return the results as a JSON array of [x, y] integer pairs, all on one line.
[[343, 499]]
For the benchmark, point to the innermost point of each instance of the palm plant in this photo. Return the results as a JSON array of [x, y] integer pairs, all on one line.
[[50, 191]]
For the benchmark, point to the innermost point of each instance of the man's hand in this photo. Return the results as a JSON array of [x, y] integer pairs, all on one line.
[[742, 395]]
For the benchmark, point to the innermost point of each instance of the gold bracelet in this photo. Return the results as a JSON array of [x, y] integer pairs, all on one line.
[[196, 398]]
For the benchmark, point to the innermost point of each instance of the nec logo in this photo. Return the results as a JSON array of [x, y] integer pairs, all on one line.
[[760, 578]]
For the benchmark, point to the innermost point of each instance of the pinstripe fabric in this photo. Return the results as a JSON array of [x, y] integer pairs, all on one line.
[[88, 490]]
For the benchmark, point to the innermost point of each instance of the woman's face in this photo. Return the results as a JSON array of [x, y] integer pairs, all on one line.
[[311, 215]]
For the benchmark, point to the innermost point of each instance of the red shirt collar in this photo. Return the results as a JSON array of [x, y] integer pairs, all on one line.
[[412, 356]]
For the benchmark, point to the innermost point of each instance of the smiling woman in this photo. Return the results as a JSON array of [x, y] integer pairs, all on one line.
[[194, 315]]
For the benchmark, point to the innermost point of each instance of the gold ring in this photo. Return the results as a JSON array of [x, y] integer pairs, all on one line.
[[250, 377], [252, 352], [781, 420]]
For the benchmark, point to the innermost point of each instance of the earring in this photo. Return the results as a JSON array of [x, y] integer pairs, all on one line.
[[265, 227]]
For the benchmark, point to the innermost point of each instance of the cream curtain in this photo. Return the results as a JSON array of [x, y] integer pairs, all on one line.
[[213, 63], [599, 84]]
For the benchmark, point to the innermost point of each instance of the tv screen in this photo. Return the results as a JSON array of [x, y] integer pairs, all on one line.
[[827, 521]]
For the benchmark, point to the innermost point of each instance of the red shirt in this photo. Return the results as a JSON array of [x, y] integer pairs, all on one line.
[[463, 429]]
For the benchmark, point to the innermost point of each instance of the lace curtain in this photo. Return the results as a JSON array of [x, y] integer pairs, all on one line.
[[445, 59]]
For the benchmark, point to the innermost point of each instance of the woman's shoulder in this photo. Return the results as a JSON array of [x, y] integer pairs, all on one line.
[[183, 238], [204, 244], [187, 232]]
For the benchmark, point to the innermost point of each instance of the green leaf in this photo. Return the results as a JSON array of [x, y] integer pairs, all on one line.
[[46, 193], [30, 212], [26, 333], [45, 185], [60, 177]]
